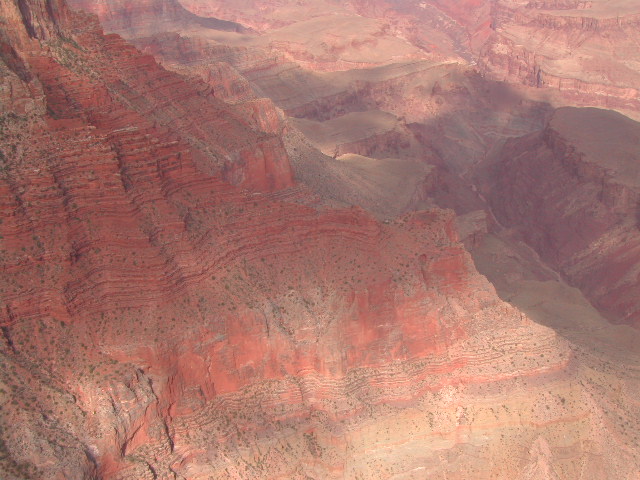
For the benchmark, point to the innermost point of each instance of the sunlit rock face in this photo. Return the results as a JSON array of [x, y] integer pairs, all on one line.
[[584, 50], [190, 289]]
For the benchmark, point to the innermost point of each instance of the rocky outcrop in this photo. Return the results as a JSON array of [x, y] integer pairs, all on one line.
[[150, 16], [174, 306], [573, 50], [560, 4], [570, 192], [170, 309], [580, 52], [221, 66], [253, 14], [32, 20], [511, 62]]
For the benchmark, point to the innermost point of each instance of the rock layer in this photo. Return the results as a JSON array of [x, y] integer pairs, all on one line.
[[584, 52], [151, 16], [175, 306]]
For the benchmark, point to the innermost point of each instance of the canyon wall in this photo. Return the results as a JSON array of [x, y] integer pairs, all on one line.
[[585, 55], [150, 16], [571, 192], [175, 305]]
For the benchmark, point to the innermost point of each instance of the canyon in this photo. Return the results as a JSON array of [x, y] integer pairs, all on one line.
[[318, 240]]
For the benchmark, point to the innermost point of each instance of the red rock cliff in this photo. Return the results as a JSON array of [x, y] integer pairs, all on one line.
[[172, 309]]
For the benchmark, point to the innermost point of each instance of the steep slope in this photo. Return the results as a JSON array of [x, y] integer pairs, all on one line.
[[318, 37], [438, 114], [147, 17], [174, 306], [572, 192], [443, 113], [585, 51], [574, 52]]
